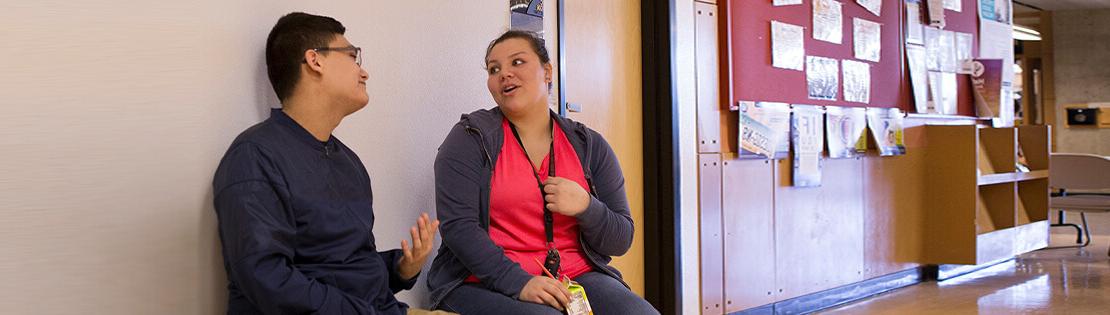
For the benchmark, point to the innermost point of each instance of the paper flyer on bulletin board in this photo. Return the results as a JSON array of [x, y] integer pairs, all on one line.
[[828, 21], [867, 39], [844, 128], [764, 130], [526, 15], [857, 81], [996, 42], [886, 129], [915, 58], [822, 77], [787, 46], [806, 129], [986, 78]]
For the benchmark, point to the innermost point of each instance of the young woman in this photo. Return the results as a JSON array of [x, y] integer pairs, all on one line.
[[522, 193]]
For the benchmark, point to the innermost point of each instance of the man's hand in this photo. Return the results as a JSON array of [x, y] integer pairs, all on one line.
[[565, 196], [423, 235], [544, 290]]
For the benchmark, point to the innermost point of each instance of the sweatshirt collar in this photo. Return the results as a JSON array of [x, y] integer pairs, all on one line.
[[300, 133]]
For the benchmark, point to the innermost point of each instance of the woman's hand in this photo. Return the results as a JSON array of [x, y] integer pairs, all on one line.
[[565, 196], [544, 290]]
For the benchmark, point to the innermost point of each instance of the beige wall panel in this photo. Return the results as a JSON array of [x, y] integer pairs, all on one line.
[[749, 236], [711, 247], [819, 232], [603, 75]]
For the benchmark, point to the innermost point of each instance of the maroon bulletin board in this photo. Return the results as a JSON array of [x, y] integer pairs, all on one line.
[[752, 78]]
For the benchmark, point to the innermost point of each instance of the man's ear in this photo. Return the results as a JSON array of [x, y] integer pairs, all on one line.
[[314, 60]]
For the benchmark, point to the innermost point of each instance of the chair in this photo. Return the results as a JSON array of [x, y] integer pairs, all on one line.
[[1079, 177]]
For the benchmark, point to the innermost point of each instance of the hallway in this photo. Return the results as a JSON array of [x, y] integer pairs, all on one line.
[[1052, 281]]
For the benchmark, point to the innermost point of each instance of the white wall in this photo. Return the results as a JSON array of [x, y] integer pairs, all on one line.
[[1081, 76], [116, 113]]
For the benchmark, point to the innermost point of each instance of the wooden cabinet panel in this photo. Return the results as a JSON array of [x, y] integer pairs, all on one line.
[[749, 238]]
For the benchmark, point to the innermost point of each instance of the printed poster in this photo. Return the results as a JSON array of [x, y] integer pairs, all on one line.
[[526, 15], [996, 10], [964, 43], [867, 39], [932, 49], [947, 50], [828, 21], [936, 13], [857, 81], [875, 6], [954, 5], [915, 60], [822, 77], [844, 128], [986, 78], [886, 129], [915, 32], [787, 46], [764, 130], [807, 127]]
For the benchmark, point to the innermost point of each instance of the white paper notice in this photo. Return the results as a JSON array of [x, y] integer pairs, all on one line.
[[963, 52], [828, 21], [936, 13], [915, 34], [932, 49], [807, 129], [935, 94], [822, 77], [915, 57], [857, 81], [948, 104], [867, 38], [954, 5], [787, 47], [947, 52], [875, 6], [844, 127], [996, 41], [786, 2]]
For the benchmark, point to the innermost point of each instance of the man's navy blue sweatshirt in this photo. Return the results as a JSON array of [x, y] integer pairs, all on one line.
[[296, 220]]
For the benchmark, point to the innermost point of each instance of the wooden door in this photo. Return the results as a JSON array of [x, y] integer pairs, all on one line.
[[603, 76]]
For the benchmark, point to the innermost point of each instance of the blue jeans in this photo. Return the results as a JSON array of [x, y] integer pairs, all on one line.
[[606, 295]]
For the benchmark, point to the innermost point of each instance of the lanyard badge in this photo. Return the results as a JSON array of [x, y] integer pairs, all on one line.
[[551, 261]]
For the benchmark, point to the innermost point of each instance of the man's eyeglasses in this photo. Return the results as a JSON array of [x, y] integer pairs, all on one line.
[[356, 50]]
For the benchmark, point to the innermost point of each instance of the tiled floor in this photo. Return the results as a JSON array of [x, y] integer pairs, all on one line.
[[1053, 281]]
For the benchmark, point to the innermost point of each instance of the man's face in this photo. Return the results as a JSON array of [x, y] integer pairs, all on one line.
[[343, 78]]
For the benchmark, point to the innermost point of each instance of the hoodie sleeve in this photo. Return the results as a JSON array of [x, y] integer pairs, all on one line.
[[606, 225], [257, 234], [459, 167]]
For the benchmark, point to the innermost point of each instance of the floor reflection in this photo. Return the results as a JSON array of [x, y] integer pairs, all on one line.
[[1052, 281]]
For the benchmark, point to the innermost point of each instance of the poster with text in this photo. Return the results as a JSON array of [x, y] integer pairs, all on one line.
[[822, 77], [787, 46], [526, 15], [886, 129], [764, 130], [857, 81], [915, 60], [828, 21], [844, 128], [807, 126], [866, 37], [986, 79], [874, 6], [915, 32]]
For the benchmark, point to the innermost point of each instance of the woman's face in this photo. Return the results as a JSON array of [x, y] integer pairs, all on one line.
[[517, 78]]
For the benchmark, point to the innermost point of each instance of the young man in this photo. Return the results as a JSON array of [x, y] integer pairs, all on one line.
[[294, 204]]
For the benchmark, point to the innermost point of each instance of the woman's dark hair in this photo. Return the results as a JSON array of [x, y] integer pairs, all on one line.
[[537, 42], [294, 34]]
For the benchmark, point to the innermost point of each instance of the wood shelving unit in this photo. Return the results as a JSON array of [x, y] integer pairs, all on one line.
[[982, 206]]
